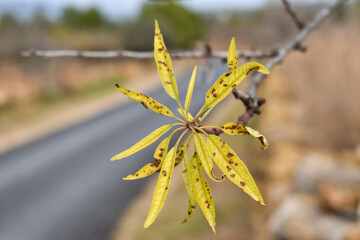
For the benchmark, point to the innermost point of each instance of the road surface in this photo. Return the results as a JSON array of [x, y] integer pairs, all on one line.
[[63, 186]]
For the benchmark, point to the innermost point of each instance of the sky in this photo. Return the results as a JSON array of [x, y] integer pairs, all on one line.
[[123, 9]]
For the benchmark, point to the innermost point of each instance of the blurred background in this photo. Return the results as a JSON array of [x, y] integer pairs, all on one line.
[[309, 175]]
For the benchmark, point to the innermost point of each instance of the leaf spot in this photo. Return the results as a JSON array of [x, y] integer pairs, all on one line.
[[157, 162], [257, 68]]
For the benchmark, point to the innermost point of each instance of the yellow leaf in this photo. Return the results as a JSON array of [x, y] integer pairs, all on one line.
[[146, 101], [233, 129], [204, 156], [186, 178], [164, 65], [150, 168], [162, 187], [152, 137], [201, 190], [181, 152], [225, 84], [256, 134], [233, 167], [232, 56], [190, 90]]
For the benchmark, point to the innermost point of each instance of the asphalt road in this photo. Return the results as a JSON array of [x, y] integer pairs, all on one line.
[[63, 186]]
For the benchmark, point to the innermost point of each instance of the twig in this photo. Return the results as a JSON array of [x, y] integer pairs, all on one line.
[[284, 51], [299, 24], [250, 100], [146, 54]]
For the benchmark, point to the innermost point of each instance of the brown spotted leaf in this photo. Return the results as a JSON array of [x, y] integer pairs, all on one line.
[[235, 170], [150, 168], [259, 136], [232, 56], [181, 152], [234, 129], [201, 190], [204, 156], [162, 187], [225, 84], [164, 65], [186, 178], [143, 143], [146, 101]]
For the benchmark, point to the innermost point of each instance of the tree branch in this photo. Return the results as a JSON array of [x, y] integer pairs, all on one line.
[[294, 43], [299, 24], [146, 54], [250, 100]]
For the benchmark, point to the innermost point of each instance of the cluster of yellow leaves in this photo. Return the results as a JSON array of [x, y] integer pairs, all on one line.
[[206, 152]]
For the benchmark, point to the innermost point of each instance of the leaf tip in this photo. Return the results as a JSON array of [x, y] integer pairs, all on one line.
[[213, 227], [157, 29], [127, 178], [147, 223], [264, 70]]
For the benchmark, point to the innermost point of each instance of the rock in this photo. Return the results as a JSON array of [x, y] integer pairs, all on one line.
[[291, 219], [353, 233], [316, 170], [339, 200], [298, 217]]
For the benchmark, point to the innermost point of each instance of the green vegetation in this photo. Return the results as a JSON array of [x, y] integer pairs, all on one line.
[[183, 27], [15, 113], [89, 18]]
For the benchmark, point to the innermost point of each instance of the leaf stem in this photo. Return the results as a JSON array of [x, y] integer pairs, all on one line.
[[183, 113], [179, 119], [210, 127], [199, 113]]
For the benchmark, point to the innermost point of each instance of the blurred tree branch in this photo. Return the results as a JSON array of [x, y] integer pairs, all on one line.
[[299, 24], [250, 100], [146, 54]]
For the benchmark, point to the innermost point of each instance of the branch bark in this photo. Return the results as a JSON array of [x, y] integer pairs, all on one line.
[[294, 43], [299, 24], [250, 100], [258, 54]]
